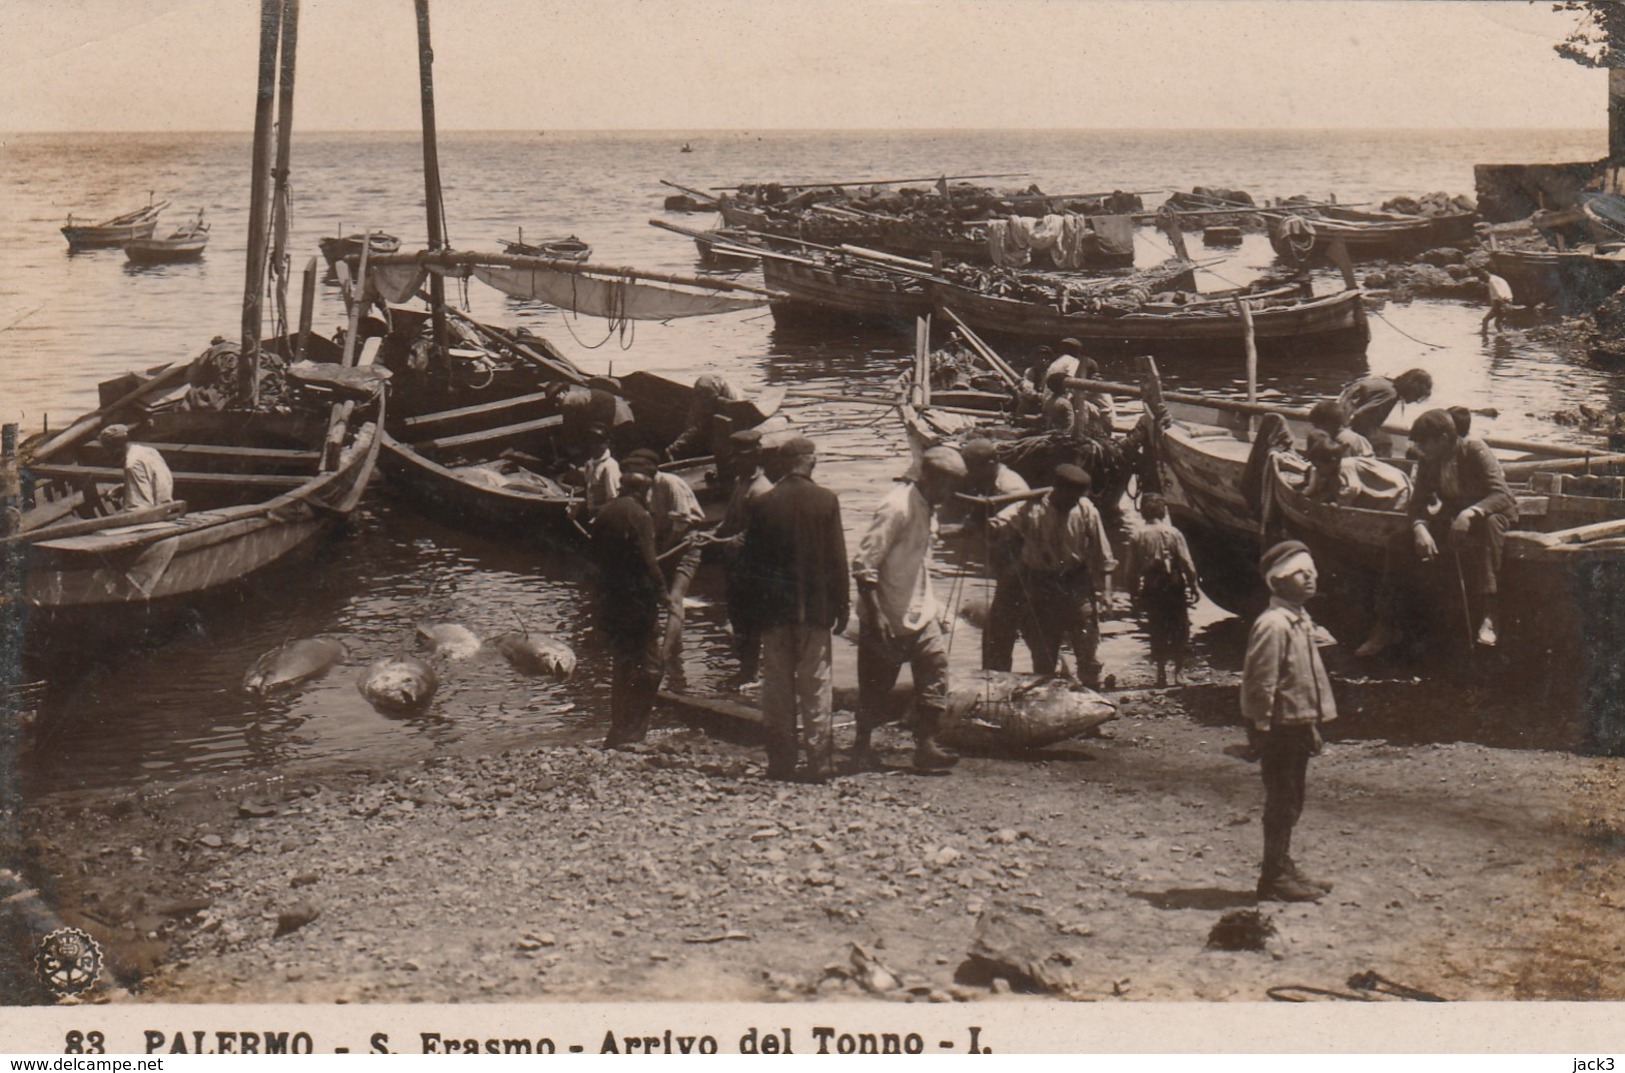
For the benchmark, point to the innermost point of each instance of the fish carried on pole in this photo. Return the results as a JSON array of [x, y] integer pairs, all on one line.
[[293, 664], [1002, 710]]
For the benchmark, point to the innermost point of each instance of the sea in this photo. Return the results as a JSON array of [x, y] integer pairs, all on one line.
[[161, 715]]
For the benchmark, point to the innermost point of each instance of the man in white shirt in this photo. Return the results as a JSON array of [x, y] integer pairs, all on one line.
[[1500, 295], [600, 473], [899, 618], [147, 480]]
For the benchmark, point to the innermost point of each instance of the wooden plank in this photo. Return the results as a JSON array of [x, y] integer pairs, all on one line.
[[505, 432], [187, 451], [483, 409], [80, 526], [114, 475]]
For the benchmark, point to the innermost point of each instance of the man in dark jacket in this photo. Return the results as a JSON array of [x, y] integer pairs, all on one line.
[[631, 591], [795, 560], [1460, 507]]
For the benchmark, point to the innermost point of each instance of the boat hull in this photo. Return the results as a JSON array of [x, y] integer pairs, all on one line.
[[160, 252], [1334, 324], [1566, 280], [818, 292], [107, 238], [1374, 238]]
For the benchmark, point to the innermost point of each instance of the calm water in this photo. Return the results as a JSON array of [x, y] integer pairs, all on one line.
[[70, 321]]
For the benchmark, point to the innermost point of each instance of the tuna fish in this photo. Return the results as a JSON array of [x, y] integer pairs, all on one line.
[[1019, 711], [293, 663], [398, 683], [449, 640], [536, 654]]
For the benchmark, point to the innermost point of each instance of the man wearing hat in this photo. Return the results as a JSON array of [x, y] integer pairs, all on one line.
[[631, 590], [794, 562], [987, 477], [147, 480], [750, 484], [674, 510], [1065, 559], [1285, 696], [898, 613]]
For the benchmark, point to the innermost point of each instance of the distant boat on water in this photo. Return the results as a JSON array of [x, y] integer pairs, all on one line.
[[686, 148], [185, 243], [111, 234]]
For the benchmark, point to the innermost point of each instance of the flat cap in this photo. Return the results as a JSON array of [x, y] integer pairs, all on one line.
[[115, 432], [979, 452], [1070, 345], [746, 439], [1072, 476], [639, 463], [1280, 555]]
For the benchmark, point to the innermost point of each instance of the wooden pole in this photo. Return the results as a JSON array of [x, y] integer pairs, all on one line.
[[872, 182], [307, 309], [1251, 340], [277, 256], [259, 201], [431, 174], [462, 259]]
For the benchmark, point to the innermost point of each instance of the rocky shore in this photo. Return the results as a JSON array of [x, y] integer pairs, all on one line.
[[1098, 869]]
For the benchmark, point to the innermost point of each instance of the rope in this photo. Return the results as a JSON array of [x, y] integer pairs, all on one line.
[[1402, 331]]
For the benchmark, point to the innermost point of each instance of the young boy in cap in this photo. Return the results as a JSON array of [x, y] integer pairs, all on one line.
[[898, 613], [147, 480], [1285, 696]]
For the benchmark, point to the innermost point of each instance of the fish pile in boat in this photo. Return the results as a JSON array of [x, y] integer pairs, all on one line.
[[1115, 293]]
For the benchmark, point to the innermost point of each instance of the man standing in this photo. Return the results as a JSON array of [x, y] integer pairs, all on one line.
[[600, 473], [1065, 560], [987, 477], [147, 480], [750, 484], [630, 593], [899, 616], [675, 511], [794, 558]]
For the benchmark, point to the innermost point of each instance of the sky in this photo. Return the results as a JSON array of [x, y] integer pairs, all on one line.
[[189, 65]]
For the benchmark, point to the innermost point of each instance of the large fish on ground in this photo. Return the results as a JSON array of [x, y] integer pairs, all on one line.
[[449, 640], [1001, 710], [293, 663], [398, 683], [536, 654]]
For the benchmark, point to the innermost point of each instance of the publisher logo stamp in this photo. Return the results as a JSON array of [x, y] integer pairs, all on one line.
[[68, 962]]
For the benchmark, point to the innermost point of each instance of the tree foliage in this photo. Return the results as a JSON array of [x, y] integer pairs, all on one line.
[[1598, 38]]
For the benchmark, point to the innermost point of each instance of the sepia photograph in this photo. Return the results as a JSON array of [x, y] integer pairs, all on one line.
[[1026, 508]]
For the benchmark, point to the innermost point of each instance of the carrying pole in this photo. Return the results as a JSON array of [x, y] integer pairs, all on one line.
[[431, 175], [277, 255], [259, 201]]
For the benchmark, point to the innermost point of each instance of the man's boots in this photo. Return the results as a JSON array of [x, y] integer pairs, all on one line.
[[1307, 880], [1277, 882], [928, 755]]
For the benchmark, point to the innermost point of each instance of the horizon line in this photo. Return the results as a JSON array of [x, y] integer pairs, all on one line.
[[700, 131]]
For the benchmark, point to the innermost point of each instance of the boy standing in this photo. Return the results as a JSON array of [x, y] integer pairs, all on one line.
[[1285, 696]]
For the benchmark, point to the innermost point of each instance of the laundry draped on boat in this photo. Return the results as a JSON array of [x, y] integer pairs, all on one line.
[[1070, 241], [620, 298]]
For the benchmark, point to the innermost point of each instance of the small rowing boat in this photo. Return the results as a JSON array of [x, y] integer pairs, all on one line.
[[569, 248], [185, 243], [111, 234], [336, 248]]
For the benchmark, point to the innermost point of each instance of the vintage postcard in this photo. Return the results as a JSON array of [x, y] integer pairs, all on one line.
[[834, 527]]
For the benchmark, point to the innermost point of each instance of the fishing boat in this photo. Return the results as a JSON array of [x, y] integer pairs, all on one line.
[[1569, 540], [271, 444], [569, 248], [1572, 279], [819, 284], [185, 243], [1308, 237], [111, 234], [336, 248], [1285, 319]]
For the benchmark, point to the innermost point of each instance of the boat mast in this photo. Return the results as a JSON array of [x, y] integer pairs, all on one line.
[[284, 137], [431, 174], [259, 203]]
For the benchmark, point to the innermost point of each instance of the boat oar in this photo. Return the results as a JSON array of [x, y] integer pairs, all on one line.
[[989, 355]]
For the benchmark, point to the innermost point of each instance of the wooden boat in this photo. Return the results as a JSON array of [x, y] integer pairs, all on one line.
[[819, 286], [111, 234], [336, 248], [1285, 322], [1571, 527], [559, 249], [1565, 279], [254, 482], [1309, 237], [185, 243], [1443, 229]]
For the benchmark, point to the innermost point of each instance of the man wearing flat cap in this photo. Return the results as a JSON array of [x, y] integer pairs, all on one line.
[[794, 561], [147, 480], [1065, 560], [1285, 696], [631, 590], [899, 618]]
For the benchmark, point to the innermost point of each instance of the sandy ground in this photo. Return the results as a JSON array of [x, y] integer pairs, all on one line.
[[681, 873]]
